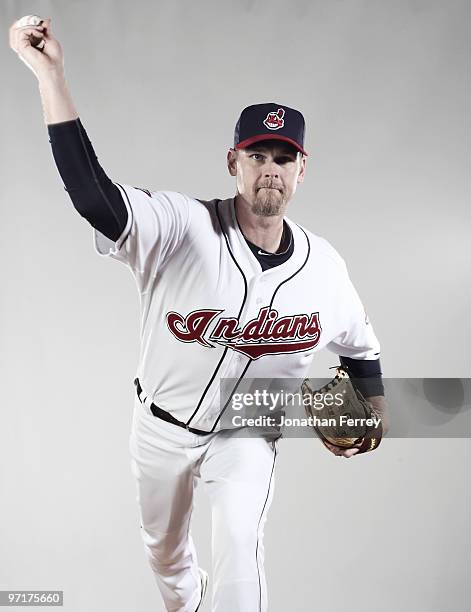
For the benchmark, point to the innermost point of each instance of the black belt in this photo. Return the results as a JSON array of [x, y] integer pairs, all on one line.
[[166, 416]]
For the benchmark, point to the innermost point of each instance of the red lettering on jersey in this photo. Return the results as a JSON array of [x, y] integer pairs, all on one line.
[[305, 326], [226, 328], [281, 328], [265, 335], [254, 328], [254, 351], [193, 327]]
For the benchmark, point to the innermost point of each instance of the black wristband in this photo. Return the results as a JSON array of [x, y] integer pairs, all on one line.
[[365, 374]]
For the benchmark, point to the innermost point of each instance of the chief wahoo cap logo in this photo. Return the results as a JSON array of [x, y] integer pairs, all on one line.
[[275, 121]]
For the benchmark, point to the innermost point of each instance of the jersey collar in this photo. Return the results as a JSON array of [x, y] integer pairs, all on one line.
[[242, 253]]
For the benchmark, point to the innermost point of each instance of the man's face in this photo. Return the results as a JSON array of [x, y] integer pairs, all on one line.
[[267, 175]]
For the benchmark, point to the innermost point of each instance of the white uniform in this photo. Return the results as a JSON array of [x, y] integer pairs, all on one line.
[[209, 312]]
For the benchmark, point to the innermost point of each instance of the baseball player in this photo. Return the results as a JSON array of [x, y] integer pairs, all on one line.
[[229, 289]]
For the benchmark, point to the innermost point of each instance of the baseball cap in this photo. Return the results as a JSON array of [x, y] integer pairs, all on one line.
[[269, 121]]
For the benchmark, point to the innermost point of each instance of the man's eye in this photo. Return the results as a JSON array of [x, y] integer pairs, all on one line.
[[257, 156]]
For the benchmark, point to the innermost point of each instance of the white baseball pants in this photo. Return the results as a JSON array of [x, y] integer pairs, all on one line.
[[238, 474]]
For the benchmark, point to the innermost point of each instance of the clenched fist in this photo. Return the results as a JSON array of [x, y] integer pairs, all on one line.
[[32, 40]]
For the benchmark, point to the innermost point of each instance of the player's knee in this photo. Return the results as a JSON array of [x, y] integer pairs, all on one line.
[[238, 552], [240, 536], [165, 548]]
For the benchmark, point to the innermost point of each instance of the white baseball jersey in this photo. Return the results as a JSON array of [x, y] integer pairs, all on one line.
[[209, 312]]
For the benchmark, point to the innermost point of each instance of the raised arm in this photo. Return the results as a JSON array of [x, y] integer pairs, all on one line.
[[93, 194], [37, 47]]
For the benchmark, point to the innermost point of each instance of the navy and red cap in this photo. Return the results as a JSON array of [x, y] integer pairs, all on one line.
[[269, 121]]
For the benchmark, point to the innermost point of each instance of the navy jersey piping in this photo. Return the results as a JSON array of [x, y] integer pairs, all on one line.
[[132, 214], [238, 317], [259, 521], [231, 394], [271, 303], [297, 271]]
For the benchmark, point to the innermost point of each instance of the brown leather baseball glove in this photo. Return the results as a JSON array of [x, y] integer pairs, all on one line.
[[341, 416]]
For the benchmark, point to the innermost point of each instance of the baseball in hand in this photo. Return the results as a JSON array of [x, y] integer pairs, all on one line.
[[32, 20]]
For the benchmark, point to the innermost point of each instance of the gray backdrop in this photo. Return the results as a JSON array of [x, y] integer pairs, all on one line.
[[385, 90]]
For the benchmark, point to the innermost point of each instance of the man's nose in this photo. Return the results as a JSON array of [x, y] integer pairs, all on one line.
[[272, 169]]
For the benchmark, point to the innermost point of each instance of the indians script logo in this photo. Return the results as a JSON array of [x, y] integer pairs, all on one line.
[[275, 121], [267, 334]]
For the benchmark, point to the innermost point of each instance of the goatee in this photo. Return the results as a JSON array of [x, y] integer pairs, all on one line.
[[268, 202]]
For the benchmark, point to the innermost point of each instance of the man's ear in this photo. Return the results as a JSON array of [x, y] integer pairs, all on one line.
[[232, 162], [303, 169]]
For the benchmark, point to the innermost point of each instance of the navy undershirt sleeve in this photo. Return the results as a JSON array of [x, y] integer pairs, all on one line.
[[365, 374], [93, 194]]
